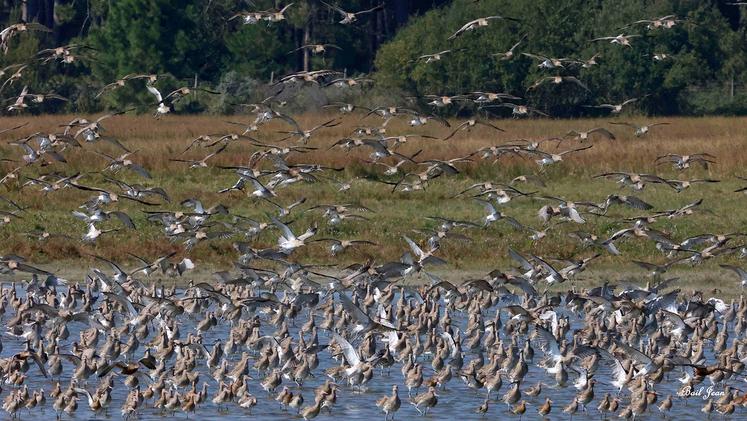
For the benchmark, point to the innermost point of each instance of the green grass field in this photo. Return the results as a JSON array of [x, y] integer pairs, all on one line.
[[394, 214]]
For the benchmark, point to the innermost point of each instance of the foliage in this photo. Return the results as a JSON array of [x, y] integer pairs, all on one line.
[[702, 50], [201, 42]]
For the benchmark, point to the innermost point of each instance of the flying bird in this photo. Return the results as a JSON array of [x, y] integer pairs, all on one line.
[[352, 17], [478, 23]]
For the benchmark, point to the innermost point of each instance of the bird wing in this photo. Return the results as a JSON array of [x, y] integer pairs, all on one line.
[[373, 9], [124, 218], [414, 247], [606, 133], [637, 203], [534, 56], [623, 123], [334, 8], [488, 206], [140, 170], [576, 81], [739, 271], [462, 29], [575, 216], [520, 259], [637, 355], [513, 222], [576, 150], [459, 127], [549, 343], [351, 356], [124, 301], [353, 310], [547, 266], [523, 285], [152, 89], [450, 343], [113, 265], [674, 318]]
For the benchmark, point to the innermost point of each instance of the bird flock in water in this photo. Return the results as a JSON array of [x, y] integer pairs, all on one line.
[[119, 338]]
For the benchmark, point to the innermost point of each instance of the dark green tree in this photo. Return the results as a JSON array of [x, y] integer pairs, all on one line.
[[700, 52]]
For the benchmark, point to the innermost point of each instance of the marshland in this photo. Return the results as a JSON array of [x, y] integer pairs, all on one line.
[[291, 210]]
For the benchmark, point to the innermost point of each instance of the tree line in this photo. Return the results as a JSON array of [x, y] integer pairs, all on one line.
[[695, 66]]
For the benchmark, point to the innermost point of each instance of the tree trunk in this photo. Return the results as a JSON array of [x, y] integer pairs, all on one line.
[[29, 9], [49, 13], [41, 11], [373, 35], [401, 13], [306, 41]]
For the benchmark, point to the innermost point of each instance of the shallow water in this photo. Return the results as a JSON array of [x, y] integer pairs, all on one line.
[[456, 401]]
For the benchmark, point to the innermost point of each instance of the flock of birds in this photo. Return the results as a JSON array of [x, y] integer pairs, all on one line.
[[271, 328]]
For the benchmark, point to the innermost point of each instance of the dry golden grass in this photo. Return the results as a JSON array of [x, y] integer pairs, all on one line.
[[161, 139], [396, 214]]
